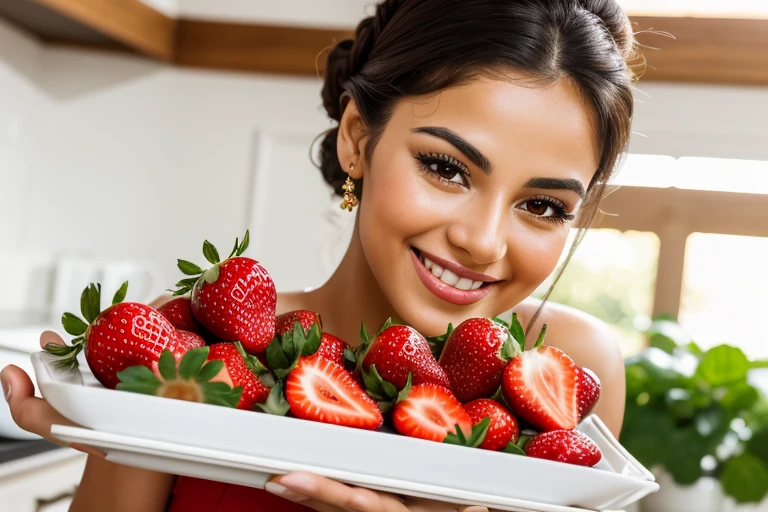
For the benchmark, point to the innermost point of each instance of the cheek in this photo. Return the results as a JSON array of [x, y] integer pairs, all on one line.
[[537, 254]]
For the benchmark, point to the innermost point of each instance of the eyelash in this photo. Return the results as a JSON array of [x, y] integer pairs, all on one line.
[[561, 215], [426, 160]]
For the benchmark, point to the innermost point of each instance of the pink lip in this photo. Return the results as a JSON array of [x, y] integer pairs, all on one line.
[[446, 292], [458, 269]]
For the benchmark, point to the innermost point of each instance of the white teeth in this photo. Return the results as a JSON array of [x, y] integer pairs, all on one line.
[[464, 284], [449, 277]]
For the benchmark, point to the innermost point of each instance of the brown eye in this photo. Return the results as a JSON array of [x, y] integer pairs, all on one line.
[[446, 171], [538, 207]]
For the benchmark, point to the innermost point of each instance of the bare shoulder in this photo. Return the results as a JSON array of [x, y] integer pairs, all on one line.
[[591, 343]]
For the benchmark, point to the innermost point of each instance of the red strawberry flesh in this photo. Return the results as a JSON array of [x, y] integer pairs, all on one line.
[[541, 385], [320, 390], [430, 412]]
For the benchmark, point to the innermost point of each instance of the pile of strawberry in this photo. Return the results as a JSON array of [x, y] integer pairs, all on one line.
[[220, 342]]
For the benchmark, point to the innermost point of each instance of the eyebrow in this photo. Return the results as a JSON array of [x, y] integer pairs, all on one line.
[[557, 184], [470, 151]]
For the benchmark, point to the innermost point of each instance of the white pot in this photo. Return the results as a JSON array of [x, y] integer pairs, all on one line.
[[705, 495]]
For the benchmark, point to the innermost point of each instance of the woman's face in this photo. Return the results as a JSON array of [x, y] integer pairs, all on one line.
[[469, 197]]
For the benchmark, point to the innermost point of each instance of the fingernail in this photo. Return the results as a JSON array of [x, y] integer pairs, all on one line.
[[299, 482], [284, 492], [88, 449], [6, 390]]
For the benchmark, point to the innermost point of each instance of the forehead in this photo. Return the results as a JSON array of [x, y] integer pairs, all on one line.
[[527, 127]]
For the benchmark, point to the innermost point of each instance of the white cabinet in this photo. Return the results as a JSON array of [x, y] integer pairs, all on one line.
[[41, 483]]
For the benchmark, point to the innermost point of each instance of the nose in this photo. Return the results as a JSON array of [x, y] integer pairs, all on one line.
[[479, 231]]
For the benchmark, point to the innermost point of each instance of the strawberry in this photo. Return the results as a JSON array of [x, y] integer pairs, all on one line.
[[285, 350], [588, 391], [474, 357], [123, 335], [234, 299], [190, 339], [320, 390], [395, 352], [179, 312], [189, 379], [569, 446], [242, 370], [503, 427], [541, 385], [332, 348], [284, 323], [429, 411]]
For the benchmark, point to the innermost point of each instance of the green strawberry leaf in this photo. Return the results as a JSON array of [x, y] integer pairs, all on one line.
[[120, 294], [517, 332], [209, 370], [252, 362], [364, 334], [349, 356], [403, 394], [167, 365], [437, 343], [138, 379], [210, 253], [192, 362], [540, 339], [276, 402], [389, 323], [220, 393], [73, 325], [475, 439], [244, 244], [513, 448], [522, 441], [188, 282], [189, 268], [276, 356], [90, 302], [234, 249], [312, 343], [508, 349], [501, 321]]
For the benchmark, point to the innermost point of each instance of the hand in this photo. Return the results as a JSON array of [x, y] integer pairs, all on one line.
[[326, 495], [31, 413]]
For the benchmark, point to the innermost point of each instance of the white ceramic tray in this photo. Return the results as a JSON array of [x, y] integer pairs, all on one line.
[[244, 447]]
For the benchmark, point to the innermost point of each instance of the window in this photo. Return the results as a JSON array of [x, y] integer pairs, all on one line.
[[612, 276], [725, 292]]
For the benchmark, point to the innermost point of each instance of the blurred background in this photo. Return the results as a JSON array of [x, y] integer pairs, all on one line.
[[131, 130]]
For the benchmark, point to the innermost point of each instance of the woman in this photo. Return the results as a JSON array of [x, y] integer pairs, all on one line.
[[475, 133]]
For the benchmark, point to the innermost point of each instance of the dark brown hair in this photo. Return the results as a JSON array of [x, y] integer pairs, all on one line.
[[416, 47]]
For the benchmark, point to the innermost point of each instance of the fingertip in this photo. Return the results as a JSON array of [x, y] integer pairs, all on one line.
[[50, 337]]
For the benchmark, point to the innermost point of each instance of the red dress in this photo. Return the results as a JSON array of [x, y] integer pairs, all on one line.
[[196, 495]]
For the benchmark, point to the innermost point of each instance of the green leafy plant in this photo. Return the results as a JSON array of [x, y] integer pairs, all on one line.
[[694, 413]]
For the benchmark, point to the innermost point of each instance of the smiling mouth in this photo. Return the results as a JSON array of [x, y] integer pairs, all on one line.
[[449, 277]]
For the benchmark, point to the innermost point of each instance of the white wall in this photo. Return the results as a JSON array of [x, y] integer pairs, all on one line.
[[117, 156]]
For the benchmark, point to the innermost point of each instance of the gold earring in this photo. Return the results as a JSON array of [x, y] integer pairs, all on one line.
[[350, 199]]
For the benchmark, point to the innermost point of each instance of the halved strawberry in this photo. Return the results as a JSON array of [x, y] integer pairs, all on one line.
[[188, 380], [284, 323], [179, 312], [475, 355], [234, 299], [541, 385], [243, 370], [320, 390], [588, 391], [503, 427], [125, 334], [569, 446], [430, 412]]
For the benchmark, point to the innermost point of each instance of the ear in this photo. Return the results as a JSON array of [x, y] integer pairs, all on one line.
[[350, 144]]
